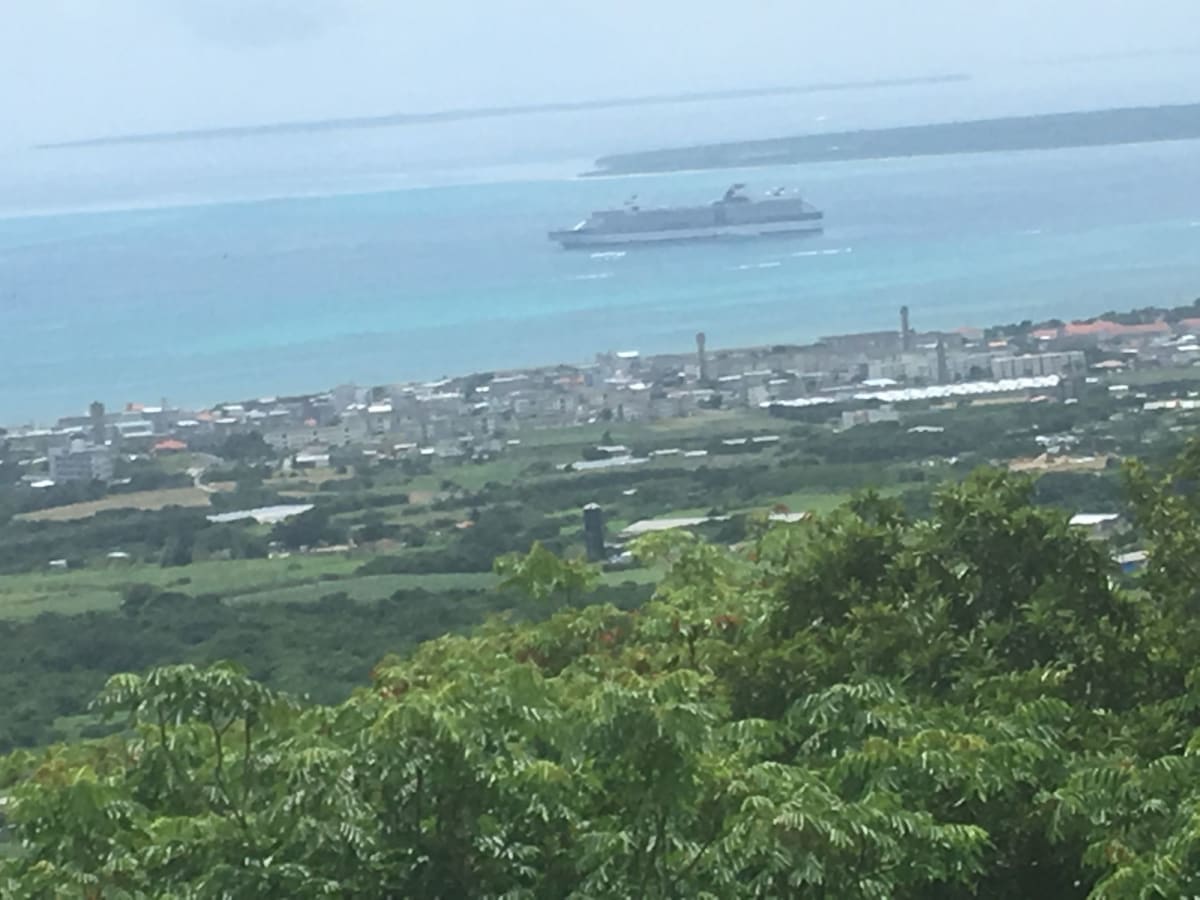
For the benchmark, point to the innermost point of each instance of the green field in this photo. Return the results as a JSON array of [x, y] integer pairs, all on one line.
[[292, 580], [816, 503], [27, 595], [708, 424]]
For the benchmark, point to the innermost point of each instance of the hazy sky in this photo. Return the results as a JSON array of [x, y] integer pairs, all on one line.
[[78, 68]]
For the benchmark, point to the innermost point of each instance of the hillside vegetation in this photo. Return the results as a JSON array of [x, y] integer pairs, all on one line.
[[1090, 128], [972, 704]]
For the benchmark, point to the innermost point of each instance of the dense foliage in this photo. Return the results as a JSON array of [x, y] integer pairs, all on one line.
[[968, 705], [52, 666], [28, 546]]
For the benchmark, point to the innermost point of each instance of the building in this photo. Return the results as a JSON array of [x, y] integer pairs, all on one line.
[[701, 357], [870, 343], [1097, 525], [943, 367], [917, 367], [1133, 561], [930, 366], [81, 461], [869, 416], [311, 458], [96, 419], [137, 433], [1071, 362]]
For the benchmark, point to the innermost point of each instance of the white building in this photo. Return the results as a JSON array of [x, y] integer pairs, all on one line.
[[81, 461], [1071, 362], [1097, 525]]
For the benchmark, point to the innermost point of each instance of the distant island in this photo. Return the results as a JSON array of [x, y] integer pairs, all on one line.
[[497, 112], [1097, 128]]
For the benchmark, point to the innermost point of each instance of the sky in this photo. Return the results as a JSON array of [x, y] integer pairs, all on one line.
[[85, 68]]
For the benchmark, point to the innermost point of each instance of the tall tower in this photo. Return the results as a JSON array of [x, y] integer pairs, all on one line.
[[905, 331], [943, 370], [593, 532], [96, 413], [701, 357]]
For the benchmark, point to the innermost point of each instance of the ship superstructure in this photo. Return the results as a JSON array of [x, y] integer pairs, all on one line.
[[735, 215]]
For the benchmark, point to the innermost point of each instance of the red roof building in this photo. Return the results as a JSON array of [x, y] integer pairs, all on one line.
[[1104, 328], [1191, 326]]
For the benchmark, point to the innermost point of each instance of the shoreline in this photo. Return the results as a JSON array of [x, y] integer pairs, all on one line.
[[1025, 327], [402, 329]]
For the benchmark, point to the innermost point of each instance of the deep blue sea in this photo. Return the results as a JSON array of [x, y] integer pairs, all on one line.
[[418, 271]]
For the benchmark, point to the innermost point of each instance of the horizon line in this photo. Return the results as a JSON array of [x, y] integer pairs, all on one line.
[[390, 120]]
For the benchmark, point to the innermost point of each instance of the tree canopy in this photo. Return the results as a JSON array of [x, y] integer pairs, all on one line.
[[865, 705]]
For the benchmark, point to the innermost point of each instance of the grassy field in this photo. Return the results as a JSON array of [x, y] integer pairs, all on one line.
[[302, 482], [799, 501], [187, 496], [297, 579], [23, 596], [816, 503], [473, 476], [370, 588], [724, 422]]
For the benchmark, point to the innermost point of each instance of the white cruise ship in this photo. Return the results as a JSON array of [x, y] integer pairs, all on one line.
[[736, 215]]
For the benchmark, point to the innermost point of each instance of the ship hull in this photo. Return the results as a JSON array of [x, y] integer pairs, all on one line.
[[582, 239]]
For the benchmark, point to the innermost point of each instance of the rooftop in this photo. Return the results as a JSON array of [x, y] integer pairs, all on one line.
[[263, 515], [1089, 520]]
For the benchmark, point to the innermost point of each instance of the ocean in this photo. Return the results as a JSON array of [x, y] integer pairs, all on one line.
[[207, 272]]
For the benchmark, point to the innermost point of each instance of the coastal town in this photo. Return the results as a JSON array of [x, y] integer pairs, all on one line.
[[386, 514], [870, 377]]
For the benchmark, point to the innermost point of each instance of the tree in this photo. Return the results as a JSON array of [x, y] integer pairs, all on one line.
[[862, 705], [541, 575], [310, 528], [245, 447], [177, 551]]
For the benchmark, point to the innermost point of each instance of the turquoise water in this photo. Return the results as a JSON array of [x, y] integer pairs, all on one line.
[[201, 303]]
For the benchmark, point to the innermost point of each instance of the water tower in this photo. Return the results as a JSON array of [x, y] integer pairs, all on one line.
[[593, 532]]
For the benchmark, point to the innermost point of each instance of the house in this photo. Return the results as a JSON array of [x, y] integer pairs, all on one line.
[[1132, 561], [311, 458], [1097, 525], [134, 430]]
